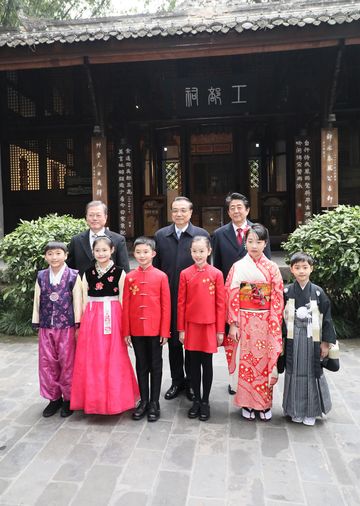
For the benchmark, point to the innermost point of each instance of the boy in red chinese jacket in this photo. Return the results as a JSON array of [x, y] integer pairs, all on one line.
[[146, 325]]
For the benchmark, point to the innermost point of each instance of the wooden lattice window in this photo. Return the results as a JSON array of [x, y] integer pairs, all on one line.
[[24, 166], [254, 173], [173, 175], [17, 101], [59, 162]]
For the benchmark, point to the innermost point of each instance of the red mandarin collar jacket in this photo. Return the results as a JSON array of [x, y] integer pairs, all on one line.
[[146, 303], [201, 297]]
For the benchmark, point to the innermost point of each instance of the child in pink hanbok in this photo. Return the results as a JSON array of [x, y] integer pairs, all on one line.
[[56, 314], [103, 381]]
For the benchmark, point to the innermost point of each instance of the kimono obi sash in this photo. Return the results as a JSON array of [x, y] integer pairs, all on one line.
[[255, 296]]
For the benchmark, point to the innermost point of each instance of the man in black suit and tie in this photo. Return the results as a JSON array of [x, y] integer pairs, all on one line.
[[229, 240], [80, 250], [172, 256]]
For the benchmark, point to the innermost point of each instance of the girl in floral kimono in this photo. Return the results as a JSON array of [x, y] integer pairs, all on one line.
[[104, 380], [254, 290]]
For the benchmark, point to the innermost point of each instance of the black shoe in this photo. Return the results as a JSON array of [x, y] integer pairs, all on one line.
[[194, 411], [52, 408], [153, 412], [231, 391], [65, 409], [140, 410], [174, 391], [204, 411], [190, 393]]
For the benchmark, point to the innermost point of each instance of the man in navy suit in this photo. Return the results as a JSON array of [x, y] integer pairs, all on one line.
[[80, 250], [172, 256], [229, 240]]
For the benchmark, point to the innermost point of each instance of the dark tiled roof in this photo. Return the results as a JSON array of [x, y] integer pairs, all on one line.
[[189, 18]]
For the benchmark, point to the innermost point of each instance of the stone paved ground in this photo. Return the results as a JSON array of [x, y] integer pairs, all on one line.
[[96, 460]]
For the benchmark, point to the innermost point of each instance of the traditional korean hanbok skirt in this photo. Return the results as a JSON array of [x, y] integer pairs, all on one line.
[[304, 394], [103, 380]]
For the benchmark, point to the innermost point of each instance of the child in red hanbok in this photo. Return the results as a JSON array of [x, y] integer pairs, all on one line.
[[201, 321], [104, 380]]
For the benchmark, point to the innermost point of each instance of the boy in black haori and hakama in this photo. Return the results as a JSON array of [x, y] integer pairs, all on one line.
[[308, 333]]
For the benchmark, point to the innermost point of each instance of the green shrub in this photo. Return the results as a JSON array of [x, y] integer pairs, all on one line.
[[333, 239], [23, 253]]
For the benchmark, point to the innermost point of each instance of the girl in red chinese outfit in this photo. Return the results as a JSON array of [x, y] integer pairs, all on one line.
[[254, 290], [201, 321], [103, 380]]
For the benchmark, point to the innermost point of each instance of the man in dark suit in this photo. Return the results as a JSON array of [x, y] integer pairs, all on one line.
[[229, 240], [80, 250], [172, 256]]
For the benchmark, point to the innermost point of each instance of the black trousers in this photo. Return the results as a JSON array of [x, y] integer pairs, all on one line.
[[177, 361], [148, 353], [201, 360]]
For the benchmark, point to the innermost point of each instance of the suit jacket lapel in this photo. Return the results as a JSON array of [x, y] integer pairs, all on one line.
[[229, 233], [85, 244]]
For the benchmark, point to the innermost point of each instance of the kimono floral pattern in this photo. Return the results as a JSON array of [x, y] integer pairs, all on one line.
[[260, 339]]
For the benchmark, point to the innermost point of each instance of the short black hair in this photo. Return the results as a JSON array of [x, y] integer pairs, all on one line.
[[258, 229], [236, 196], [147, 241], [176, 199], [300, 256], [55, 245], [104, 238]]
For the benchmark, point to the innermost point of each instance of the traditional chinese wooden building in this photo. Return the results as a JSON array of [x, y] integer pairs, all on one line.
[[259, 98]]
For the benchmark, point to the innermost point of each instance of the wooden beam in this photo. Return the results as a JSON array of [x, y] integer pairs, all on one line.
[[170, 48]]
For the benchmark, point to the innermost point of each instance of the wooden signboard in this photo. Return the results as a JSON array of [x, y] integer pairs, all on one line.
[[329, 167], [125, 190], [99, 168], [303, 186]]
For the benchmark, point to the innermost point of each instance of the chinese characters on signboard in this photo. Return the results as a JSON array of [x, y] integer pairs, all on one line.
[[329, 167], [303, 192], [214, 95], [125, 190], [99, 168], [211, 96]]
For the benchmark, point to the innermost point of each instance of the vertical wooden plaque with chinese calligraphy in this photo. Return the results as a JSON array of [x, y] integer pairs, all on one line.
[[329, 167], [99, 169], [303, 186], [125, 190]]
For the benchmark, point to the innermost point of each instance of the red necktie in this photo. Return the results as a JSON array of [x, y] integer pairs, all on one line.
[[239, 236]]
